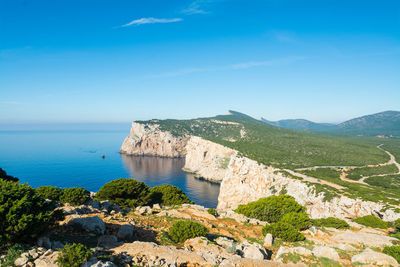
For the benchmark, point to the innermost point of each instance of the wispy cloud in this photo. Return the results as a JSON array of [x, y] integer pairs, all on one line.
[[150, 21], [238, 66], [199, 7]]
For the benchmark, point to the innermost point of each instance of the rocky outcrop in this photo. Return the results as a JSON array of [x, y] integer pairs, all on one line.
[[246, 181], [206, 159], [148, 139]]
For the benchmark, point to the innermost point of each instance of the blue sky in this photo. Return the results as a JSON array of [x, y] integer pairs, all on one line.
[[117, 61]]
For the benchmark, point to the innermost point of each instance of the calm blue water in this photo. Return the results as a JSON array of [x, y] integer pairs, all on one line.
[[73, 158]]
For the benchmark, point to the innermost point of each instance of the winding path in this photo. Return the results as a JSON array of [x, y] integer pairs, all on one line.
[[343, 177]]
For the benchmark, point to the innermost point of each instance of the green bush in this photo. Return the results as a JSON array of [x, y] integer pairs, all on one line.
[[168, 195], [270, 209], [23, 213], [73, 255], [75, 196], [13, 253], [300, 220], [331, 222], [125, 192], [371, 221], [396, 235], [396, 224], [284, 231], [393, 251], [212, 211], [183, 230], [5, 176], [50, 192]]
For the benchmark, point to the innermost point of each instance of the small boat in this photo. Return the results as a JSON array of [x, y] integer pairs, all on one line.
[[103, 156]]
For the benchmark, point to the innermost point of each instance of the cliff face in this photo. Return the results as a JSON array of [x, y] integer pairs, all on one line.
[[207, 159], [247, 181], [147, 139], [242, 180]]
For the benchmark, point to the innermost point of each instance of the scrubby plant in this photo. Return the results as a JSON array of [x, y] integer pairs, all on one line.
[[13, 253], [73, 255], [284, 231], [371, 221], [393, 251], [183, 230], [396, 224], [270, 209], [125, 192], [23, 213], [5, 176], [331, 222], [396, 235], [298, 220], [168, 195], [212, 211], [75, 196], [50, 192]]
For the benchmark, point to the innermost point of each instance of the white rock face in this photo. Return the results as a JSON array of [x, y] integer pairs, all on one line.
[[149, 140], [371, 257], [207, 159]]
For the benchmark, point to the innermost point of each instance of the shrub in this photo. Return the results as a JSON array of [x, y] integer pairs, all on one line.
[[13, 253], [371, 221], [270, 209], [168, 195], [331, 222], [125, 192], [24, 214], [284, 231], [75, 196], [183, 230], [300, 220], [50, 192], [212, 211], [73, 255], [396, 224], [5, 176], [396, 235], [393, 251]]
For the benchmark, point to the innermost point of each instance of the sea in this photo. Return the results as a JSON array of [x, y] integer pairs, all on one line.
[[68, 156]]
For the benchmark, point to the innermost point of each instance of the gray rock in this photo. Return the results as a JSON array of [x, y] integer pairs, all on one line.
[[95, 204], [368, 256], [268, 240], [56, 245], [156, 206], [103, 264], [252, 251], [144, 210], [90, 224], [224, 242], [47, 259], [327, 252], [33, 253], [44, 241], [125, 232], [108, 241], [295, 250]]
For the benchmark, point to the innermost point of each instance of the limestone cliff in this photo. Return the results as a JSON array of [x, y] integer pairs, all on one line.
[[147, 139], [242, 180]]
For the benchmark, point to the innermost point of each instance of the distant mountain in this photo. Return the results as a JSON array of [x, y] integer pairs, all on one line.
[[385, 123], [300, 124]]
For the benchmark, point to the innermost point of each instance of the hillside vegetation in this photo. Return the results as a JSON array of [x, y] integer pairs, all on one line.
[[278, 147]]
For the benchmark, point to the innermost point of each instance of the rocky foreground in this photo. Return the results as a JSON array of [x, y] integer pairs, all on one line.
[[123, 237]]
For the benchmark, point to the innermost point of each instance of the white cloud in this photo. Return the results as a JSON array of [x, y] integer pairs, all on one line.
[[150, 21], [195, 8], [238, 66]]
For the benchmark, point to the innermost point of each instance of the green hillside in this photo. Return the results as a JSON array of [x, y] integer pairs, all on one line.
[[384, 123], [277, 146]]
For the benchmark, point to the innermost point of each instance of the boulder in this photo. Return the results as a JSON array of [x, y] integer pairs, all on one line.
[[252, 251], [371, 257], [102, 264], [23, 258], [224, 242], [144, 210], [43, 241], [367, 239], [90, 224], [268, 240], [56, 245], [125, 232], [345, 247], [156, 207], [327, 252], [47, 259], [108, 241], [212, 253]]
